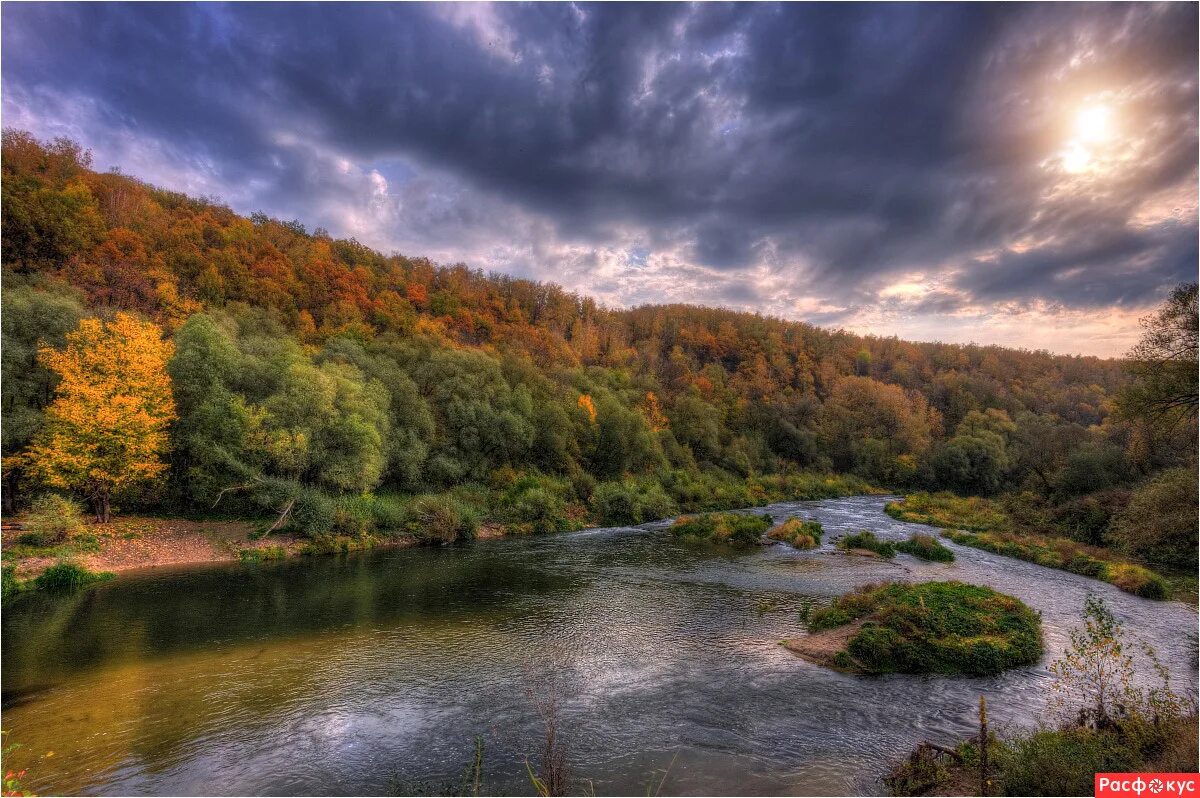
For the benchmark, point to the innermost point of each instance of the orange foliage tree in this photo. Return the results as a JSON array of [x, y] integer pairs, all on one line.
[[106, 430]]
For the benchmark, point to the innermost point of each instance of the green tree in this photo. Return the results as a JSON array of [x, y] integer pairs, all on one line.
[[1164, 362], [976, 459], [1160, 523], [33, 315]]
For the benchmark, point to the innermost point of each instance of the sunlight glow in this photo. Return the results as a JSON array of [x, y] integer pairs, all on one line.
[[1094, 124]]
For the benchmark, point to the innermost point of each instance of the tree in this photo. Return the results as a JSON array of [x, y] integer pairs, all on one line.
[[1164, 362], [106, 431], [33, 315], [976, 458], [1160, 522], [210, 436], [875, 429]]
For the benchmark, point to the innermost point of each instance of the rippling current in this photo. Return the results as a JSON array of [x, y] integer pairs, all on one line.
[[373, 673]]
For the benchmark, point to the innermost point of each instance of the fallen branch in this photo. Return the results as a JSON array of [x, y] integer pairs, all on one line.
[[230, 489], [283, 516], [941, 749]]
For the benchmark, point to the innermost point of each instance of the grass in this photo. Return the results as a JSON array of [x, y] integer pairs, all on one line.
[[63, 577], [732, 528], [797, 533], [983, 524], [949, 511], [1069, 555], [866, 541], [926, 547], [30, 545], [262, 554], [933, 627]]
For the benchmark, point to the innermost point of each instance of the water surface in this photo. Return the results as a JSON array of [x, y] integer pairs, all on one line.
[[372, 673]]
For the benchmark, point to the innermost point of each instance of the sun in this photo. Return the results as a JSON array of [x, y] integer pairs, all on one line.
[[1094, 124], [1093, 131]]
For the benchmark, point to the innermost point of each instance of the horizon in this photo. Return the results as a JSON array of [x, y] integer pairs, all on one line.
[[753, 159]]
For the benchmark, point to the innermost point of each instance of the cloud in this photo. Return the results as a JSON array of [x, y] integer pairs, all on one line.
[[796, 159]]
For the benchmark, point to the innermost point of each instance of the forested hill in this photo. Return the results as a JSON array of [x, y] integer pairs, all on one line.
[[304, 362]]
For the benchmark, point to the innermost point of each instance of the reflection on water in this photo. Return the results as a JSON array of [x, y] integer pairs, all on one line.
[[345, 675]]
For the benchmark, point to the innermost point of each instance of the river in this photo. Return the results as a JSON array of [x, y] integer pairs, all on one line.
[[373, 672]]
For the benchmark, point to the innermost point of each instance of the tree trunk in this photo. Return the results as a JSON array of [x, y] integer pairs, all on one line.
[[103, 513], [10, 492]]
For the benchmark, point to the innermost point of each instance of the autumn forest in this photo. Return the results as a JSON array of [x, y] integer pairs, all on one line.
[[163, 354]]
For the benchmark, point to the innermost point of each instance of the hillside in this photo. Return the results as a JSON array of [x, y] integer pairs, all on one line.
[[308, 373]]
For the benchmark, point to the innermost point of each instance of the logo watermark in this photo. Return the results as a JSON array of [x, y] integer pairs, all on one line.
[[1136, 785]]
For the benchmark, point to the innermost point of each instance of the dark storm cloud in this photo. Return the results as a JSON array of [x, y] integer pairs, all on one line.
[[838, 146]]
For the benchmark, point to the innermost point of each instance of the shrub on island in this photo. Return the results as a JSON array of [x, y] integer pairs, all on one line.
[[926, 547], [797, 533], [866, 541]]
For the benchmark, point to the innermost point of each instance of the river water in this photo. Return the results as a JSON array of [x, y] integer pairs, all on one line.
[[373, 673]]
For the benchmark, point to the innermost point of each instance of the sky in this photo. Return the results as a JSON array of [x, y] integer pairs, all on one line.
[[1020, 174]]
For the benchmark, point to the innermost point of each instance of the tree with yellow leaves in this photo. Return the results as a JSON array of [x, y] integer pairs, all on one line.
[[106, 430]]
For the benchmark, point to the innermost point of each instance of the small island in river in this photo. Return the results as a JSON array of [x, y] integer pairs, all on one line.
[[932, 627]]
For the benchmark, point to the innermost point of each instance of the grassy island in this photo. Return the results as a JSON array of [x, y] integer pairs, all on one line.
[[932, 627], [732, 528], [866, 543], [797, 533], [926, 547]]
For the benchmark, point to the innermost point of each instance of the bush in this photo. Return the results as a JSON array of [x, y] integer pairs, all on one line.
[[262, 554], [927, 548], [1061, 762], [867, 541], [732, 528], [440, 518], [313, 514], [935, 627], [51, 520], [537, 503], [1137, 580], [387, 513], [1087, 518], [799, 534], [66, 576], [11, 585], [627, 502], [353, 516], [1160, 525]]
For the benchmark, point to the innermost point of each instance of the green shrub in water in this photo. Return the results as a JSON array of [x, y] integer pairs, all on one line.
[[797, 533], [262, 554], [926, 547], [11, 585], [867, 541]]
